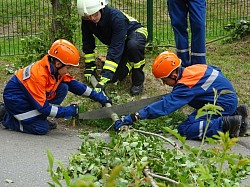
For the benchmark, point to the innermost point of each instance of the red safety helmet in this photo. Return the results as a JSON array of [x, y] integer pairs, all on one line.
[[65, 51], [164, 64]]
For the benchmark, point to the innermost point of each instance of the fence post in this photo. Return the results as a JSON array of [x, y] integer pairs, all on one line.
[[150, 20]]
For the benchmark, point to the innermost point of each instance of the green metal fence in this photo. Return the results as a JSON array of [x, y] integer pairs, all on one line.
[[20, 18]]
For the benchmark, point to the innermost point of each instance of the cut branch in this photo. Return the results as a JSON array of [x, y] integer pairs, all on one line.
[[174, 144]]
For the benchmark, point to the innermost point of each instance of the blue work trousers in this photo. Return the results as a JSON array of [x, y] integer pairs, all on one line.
[[37, 125], [178, 12], [194, 128], [134, 52]]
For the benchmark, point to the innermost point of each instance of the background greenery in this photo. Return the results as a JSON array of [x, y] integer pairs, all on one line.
[[42, 18]]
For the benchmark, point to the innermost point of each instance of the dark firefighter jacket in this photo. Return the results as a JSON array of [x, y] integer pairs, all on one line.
[[111, 30]]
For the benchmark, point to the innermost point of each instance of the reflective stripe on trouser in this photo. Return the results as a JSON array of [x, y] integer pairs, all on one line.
[[137, 65], [134, 54], [197, 12], [110, 65]]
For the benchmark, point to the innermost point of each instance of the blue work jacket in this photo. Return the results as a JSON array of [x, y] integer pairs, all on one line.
[[194, 87]]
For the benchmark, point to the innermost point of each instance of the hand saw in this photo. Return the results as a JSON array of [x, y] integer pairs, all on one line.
[[122, 109]]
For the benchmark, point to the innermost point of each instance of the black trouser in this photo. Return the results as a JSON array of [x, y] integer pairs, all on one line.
[[134, 54]]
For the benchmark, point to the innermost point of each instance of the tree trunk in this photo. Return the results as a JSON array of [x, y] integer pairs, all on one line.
[[61, 21]]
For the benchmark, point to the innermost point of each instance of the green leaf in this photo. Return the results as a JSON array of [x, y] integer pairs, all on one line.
[[176, 134], [134, 144], [144, 159], [226, 92], [51, 161]]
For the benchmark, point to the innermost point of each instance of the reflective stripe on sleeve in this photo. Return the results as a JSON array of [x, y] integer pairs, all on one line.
[[89, 57], [210, 80], [87, 91], [143, 31], [54, 110]]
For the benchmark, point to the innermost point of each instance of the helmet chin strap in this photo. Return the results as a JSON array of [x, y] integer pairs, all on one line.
[[55, 70], [177, 71], [60, 67], [172, 78]]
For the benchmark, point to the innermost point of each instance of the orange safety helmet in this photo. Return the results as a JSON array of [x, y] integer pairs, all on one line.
[[164, 64], [65, 51]]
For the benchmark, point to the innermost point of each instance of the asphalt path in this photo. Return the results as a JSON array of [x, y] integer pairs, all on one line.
[[24, 162], [23, 158]]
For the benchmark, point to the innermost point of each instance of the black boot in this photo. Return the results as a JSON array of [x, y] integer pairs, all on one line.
[[136, 90], [232, 124], [2, 111], [243, 111]]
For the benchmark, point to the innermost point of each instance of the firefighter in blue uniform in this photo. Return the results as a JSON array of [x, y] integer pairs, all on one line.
[[126, 40], [178, 11], [36, 91], [194, 86]]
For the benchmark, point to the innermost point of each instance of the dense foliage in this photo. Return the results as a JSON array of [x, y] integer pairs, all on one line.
[[133, 152]]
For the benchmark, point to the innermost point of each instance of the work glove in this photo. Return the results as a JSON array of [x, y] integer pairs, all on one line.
[[72, 110], [89, 70], [103, 99], [102, 84], [126, 120]]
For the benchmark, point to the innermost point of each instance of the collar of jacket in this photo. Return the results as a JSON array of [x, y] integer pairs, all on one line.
[[47, 64], [52, 71], [181, 69], [105, 12]]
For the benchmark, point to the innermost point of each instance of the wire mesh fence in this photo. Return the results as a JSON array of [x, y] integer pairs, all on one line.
[[21, 18]]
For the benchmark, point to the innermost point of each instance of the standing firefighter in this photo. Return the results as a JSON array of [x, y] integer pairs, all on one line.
[[194, 86], [125, 37], [178, 12], [36, 91]]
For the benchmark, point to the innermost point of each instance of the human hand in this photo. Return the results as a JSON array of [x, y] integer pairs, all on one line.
[[89, 71], [72, 110], [103, 99], [126, 120], [75, 110], [101, 84]]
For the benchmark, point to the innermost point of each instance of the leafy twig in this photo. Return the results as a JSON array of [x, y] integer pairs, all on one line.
[[174, 144], [148, 173]]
